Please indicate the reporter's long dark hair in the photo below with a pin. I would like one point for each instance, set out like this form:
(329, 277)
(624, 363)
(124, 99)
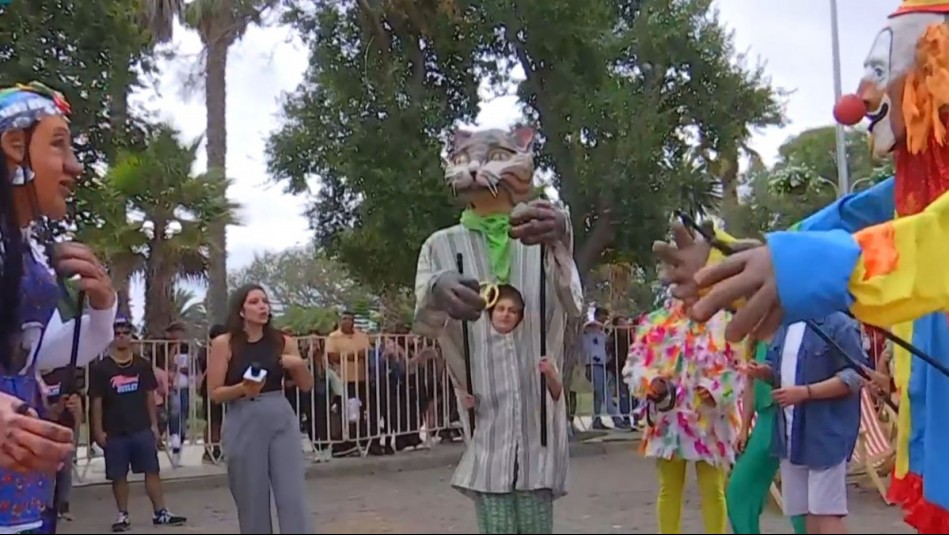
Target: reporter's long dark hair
(235, 323)
(12, 252)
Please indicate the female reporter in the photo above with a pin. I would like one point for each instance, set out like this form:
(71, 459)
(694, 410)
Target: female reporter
(261, 434)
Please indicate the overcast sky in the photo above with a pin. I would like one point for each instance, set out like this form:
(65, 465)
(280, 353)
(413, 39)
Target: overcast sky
(792, 39)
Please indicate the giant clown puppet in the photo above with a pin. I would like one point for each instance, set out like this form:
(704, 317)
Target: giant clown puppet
(882, 253)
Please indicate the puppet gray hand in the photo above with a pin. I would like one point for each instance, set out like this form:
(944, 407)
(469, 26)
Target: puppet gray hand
(538, 221)
(458, 296)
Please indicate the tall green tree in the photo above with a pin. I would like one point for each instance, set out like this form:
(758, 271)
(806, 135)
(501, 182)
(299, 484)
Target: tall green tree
(170, 212)
(634, 101)
(370, 120)
(816, 149)
(303, 277)
(220, 24)
(804, 180)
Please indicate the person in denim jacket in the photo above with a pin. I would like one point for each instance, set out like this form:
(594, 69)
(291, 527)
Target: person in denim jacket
(817, 428)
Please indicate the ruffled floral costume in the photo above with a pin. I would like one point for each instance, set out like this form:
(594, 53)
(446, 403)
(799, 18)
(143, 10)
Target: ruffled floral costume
(690, 357)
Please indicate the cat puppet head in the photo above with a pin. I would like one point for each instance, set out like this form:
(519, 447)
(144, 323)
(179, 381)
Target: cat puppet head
(490, 165)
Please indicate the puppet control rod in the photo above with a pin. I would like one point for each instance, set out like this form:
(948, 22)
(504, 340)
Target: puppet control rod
(466, 347)
(543, 348)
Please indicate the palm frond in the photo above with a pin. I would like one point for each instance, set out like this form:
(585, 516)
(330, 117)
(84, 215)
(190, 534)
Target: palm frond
(160, 17)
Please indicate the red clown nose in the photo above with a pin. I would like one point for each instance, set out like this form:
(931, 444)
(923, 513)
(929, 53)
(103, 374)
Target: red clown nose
(850, 110)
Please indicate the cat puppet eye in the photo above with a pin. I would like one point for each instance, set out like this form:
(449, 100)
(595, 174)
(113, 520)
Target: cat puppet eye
(499, 155)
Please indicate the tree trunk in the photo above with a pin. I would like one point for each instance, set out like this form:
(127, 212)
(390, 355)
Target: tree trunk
(159, 282)
(729, 174)
(390, 311)
(122, 283)
(216, 105)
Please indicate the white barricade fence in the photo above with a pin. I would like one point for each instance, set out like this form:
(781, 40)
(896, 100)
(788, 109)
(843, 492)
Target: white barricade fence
(395, 396)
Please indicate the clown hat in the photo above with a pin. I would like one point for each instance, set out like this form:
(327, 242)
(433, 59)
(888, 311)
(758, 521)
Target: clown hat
(922, 6)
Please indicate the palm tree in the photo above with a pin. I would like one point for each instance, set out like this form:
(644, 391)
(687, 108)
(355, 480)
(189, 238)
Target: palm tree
(220, 23)
(170, 212)
(117, 242)
(188, 309)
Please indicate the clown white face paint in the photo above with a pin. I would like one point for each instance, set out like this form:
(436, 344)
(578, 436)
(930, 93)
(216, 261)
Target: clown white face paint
(891, 57)
(873, 90)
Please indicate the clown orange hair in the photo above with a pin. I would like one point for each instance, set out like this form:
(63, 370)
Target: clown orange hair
(926, 90)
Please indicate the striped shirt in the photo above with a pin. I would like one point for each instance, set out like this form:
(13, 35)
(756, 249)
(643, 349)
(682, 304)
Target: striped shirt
(505, 453)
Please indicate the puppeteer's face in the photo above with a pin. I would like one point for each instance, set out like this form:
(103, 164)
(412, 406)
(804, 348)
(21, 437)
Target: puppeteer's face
(506, 315)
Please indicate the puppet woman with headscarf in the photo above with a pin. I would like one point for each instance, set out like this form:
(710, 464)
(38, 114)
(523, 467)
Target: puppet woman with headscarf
(39, 174)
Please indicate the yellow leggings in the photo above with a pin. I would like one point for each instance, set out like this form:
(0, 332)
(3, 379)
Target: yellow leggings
(671, 487)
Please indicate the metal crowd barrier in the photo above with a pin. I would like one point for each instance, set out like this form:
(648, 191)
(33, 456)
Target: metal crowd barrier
(394, 397)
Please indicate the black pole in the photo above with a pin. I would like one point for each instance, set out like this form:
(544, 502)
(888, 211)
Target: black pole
(543, 348)
(466, 346)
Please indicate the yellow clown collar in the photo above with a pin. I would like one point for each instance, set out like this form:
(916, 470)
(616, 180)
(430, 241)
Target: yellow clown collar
(921, 6)
(716, 256)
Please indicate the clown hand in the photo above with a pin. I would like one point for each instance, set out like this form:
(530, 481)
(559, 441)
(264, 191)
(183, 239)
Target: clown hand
(748, 274)
(681, 260)
(658, 388)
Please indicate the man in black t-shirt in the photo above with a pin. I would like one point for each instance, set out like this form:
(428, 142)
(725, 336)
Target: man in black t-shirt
(125, 425)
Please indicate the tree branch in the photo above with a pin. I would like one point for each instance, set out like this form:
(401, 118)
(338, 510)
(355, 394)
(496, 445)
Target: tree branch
(373, 25)
(598, 239)
(603, 232)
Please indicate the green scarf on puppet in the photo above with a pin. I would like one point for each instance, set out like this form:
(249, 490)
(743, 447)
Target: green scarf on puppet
(495, 229)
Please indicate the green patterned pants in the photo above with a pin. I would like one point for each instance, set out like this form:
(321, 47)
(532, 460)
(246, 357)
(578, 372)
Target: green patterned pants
(515, 512)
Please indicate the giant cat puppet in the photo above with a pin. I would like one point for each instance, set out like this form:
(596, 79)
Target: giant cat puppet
(505, 468)
(882, 253)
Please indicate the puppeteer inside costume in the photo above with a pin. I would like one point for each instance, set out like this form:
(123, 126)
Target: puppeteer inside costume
(688, 375)
(512, 478)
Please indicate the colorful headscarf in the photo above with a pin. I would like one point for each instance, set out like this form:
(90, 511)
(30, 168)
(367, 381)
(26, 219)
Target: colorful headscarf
(22, 106)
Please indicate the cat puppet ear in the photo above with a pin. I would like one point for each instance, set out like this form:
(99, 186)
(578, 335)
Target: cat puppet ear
(459, 138)
(523, 137)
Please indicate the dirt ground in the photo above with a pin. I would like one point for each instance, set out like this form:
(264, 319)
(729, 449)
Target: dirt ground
(612, 493)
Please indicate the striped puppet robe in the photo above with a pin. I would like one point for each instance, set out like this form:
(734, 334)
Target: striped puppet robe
(505, 453)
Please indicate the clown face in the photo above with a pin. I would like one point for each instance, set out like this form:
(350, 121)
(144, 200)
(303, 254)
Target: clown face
(891, 57)
(873, 91)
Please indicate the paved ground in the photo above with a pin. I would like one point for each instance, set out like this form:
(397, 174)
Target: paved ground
(612, 490)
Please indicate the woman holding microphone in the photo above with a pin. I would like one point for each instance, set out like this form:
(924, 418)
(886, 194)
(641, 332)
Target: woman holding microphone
(261, 434)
